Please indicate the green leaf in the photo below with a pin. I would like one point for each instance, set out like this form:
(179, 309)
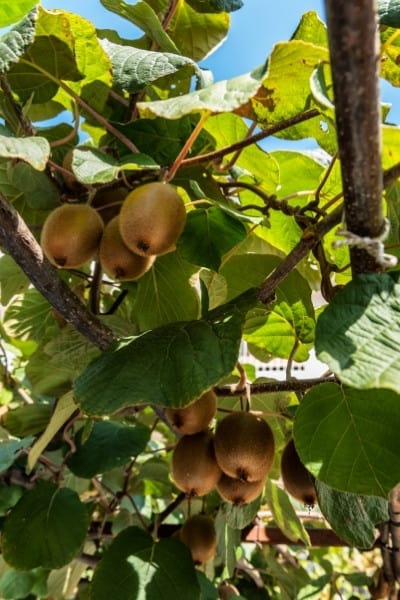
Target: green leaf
(33, 150)
(29, 316)
(389, 12)
(197, 34)
(64, 409)
(228, 540)
(348, 438)
(166, 293)
(207, 588)
(13, 280)
(144, 17)
(390, 44)
(11, 13)
(223, 96)
(358, 334)
(9, 496)
(238, 517)
(92, 166)
(184, 358)
(133, 68)
(215, 5)
(109, 444)
(18, 584)
(284, 514)
(34, 527)
(312, 29)
(135, 567)
(353, 517)
(14, 43)
(9, 450)
(287, 322)
(208, 235)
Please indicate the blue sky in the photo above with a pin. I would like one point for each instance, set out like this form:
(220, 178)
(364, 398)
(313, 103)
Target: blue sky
(255, 29)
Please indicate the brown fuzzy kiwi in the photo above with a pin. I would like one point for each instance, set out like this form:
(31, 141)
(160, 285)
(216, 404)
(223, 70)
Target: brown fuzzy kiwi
(194, 468)
(244, 446)
(297, 480)
(116, 259)
(195, 417)
(71, 235)
(152, 218)
(198, 533)
(108, 201)
(239, 492)
(227, 590)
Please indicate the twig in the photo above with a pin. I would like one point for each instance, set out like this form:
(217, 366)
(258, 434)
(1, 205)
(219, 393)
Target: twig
(216, 155)
(268, 387)
(166, 512)
(170, 174)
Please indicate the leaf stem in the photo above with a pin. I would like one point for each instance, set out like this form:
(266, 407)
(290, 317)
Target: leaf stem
(170, 174)
(93, 113)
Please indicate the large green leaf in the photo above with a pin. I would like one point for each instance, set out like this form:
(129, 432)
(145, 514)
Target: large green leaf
(284, 514)
(390, 69)
(12, 279)
(135, 567)
(208, 235)
(348, 438)
(168, 366)
(358, 334)
(285, 325)
(109, 444)
(133, 68)
(14, 43)
(19, 584)
(144, 17)
(223, 96)
(42, 518)
(353, 517)
(166, 293)
(197, 34)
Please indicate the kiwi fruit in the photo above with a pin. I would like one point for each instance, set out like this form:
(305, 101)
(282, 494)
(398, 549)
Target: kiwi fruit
(108, 200)
(116, 259)
(152, 218)
(194, 468)
(71, 235)
(239, 492)
(195, 417)
(244, 446)
(297, 480)
(226, 591)
(198, 534)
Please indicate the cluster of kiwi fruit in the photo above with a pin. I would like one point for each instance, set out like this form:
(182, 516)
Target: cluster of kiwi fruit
(235, 459)
(149, 223)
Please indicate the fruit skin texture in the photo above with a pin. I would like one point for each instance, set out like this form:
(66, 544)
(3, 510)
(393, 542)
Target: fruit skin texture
(198, 533)
(296, 479)
(71, 235)
(152, 218)
(116, 259)
(239, 492)
(195, 417)
(108, 201)
(244, 446)
(194, 468)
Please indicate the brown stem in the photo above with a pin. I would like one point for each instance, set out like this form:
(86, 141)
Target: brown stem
(18, 241)
(354, 49)
(169, 15)
(268, 387)
(188, 144)
(216, 155)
